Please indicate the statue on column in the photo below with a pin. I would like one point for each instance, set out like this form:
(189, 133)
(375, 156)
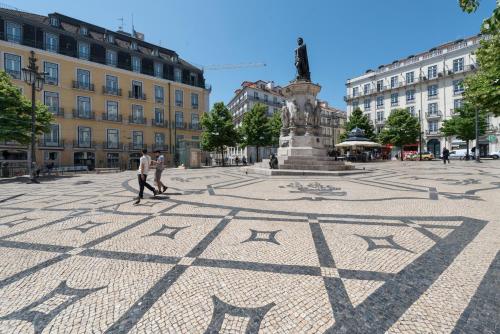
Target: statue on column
(301, 61)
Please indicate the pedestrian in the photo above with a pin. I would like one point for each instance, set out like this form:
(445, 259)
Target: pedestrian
(237, 160)
(142, 174)
(160, 166)
(244, 160)
(446, 155)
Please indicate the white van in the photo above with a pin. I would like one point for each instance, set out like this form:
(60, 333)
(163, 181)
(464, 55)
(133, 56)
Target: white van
(460, 154)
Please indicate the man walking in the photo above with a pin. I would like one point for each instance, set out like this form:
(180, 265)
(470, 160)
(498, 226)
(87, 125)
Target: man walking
(142, 174)
(446, 155)
(160, 166)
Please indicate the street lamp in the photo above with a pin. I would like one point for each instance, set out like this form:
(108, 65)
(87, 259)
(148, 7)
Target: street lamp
(420, 134)
(36, 80)
(477, 151)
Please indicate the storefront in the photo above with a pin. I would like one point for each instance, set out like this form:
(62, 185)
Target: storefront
(434, 147)
(84, 159)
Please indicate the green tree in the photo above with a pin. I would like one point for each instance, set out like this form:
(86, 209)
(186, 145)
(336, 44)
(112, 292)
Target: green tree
(275, 126)
(400, 129)
(255, 129)
(482, 90)
(359, 120)
(490, 25)
(218, 129)
(463, 125)
(15, 114)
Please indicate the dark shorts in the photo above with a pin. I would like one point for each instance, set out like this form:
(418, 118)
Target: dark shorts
(158, 175)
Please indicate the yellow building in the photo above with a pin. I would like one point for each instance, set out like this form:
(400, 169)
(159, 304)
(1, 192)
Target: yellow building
(112, 93)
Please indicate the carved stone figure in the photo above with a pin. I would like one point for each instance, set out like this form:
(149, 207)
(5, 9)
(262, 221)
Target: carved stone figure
(301, 61)
(317, 115)
(294, 114)
(309, 111)
(285, 117)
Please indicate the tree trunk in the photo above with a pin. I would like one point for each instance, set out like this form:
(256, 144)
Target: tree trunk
(467, 157)
(257, 149)
(401, 153)
(222, 156)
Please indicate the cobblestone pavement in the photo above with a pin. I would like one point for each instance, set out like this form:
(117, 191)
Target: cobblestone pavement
(408, 248)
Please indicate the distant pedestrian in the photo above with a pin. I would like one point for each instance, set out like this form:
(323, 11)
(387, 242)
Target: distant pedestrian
(244, 160)
(142, 174)
(160, 166)
(446, 155)
(237, 160)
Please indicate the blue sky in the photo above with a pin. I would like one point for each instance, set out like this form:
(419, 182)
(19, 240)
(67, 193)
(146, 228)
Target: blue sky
(344, 38)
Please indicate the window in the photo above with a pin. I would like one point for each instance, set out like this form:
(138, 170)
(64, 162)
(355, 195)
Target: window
(54, 21)
(111, 84)
(355, 104)
(12, 64)
(179, 118)
(83, 50)
(83, 106)
(275, 100)
(83, 78)
(112, 138)
(136, 89)
(458, 64)
(410, 95)
(256, 95)
(458, 103)
(51, 138)
(193, 79)
(52, 70)
(137, 114)
(195, 120)
(133, 45)
(177, 75)
(155, 52)
(136, 64)
(432, 108)
(194, 100)
(159, 139)
(367, 103)
(137, 139)
(110, 38)
(266, 98)
(432, 91)
(366, 88)
(433, 126)
(159, 94)
(14, 32)
(394, 99)
(158, 70)
(179, 96)
(380, 101)
(83, 31)
(410, 77)
(159, 115)
(411, 110)
(51, 42)
(51, 100)
(432, 71)
(380, 85)
(394, 81)
(458, 87)
(355, 91)
(111, 58)
(112, 110)
(84, 136)
(380, 116)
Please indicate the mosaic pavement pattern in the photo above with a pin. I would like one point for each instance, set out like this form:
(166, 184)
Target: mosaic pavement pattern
(408, 248)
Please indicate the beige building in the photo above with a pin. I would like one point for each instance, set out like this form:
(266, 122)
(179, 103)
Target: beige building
(112, 93)
(332, 124)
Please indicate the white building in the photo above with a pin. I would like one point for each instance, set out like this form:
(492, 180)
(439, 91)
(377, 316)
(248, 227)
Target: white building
(429, 85)
(332, 123)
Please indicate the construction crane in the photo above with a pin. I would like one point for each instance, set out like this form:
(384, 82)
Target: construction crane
(230, 66)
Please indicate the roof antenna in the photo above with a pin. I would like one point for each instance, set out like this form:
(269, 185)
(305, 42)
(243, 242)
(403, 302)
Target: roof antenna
(120, 26)
(133, 30)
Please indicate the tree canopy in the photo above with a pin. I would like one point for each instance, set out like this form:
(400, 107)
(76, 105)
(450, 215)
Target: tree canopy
(463, 124)
(256, 128)
(275, 126)
(490, 25)
(15, 114)
(400, 129)
(218, 129)
(358, 119)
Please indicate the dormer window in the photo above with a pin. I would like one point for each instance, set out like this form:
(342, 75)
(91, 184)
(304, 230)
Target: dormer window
(174, 59)
(84, 31)
(155, 52)
(110, 38)
(54, 21)
(133, 45)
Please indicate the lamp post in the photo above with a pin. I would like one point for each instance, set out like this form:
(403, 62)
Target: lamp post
(420, 134)
(477, 151)
(36, 80)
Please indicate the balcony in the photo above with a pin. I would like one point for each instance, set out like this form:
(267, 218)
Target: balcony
(112, 91)
(433, 133)
(49, 143)
(136, 146)
(466, 68)
(83, 114)
(112, 145)
(433, 115)
(194, 106)
(11, 143)
(160, 147)
(83, 86)
(112, 118)
(180, 125)
(136, 95)
(195, 126)
(380, 121)
(160, 124)
(137, 120)
(57, 111)
(490, 128)
(83, 144)
(432, 97)
(13, 73)
(458, 92)
(159, 100)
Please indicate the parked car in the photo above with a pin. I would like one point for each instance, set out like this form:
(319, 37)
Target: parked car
(416, 156)
(460, 154)
(495, 155)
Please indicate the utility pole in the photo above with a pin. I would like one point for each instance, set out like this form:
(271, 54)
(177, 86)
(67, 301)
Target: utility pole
(36, 80)
(420, 134)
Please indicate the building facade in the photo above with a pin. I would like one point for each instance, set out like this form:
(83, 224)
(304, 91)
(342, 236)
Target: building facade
(429, 85)
(332, 124)
(111, 93)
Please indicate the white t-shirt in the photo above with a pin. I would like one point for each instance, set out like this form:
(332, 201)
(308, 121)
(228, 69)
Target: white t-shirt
(144, 161)
(160, 163)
